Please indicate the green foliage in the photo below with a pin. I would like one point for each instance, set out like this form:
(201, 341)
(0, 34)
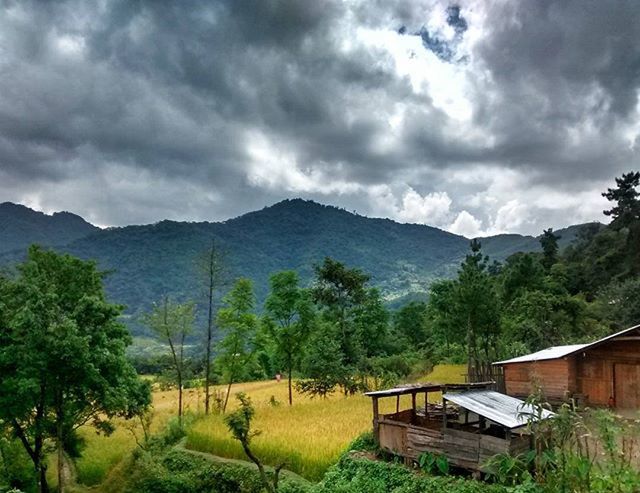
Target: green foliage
(288, 321)
(365, 442)
(353, 326)
(434, 463)
(356, 475)
(239, 424)
(580, 452)
(178, 471)
(549, 244)
(21, 227)
(239, 326)
(16, 468)
(468, 309)
(627, 207)
(619, 303)
(410, 322)
(62, 355)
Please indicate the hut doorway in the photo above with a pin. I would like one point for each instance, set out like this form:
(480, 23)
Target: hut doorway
(627, 385)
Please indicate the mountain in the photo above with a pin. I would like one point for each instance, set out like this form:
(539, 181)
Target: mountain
(151, 260)
(21, 226)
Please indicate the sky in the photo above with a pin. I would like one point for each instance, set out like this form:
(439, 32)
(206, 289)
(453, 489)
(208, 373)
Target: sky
(477, 117)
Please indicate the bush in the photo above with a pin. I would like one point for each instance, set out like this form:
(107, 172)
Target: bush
(356, 475)
(179, 471)
(16, 469)
(365, 442)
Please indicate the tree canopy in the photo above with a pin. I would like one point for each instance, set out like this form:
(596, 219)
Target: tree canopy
(62, 355)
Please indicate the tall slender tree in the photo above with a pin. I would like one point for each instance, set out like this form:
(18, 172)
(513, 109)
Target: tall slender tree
(240, 328)
(625, 195)
(288, 320)
(549, 244)
(173, 322)
(214, 269)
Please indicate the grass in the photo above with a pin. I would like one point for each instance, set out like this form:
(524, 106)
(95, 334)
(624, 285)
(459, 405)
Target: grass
(309, 436)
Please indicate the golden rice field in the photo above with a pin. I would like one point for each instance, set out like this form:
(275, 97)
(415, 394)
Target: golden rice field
(309, 436)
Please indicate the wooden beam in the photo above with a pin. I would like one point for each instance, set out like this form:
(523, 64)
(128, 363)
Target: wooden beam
(426, 404)
(444, 414)
(376, 426)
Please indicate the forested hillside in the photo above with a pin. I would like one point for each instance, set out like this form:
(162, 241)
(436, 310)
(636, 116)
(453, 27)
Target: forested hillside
(21, 226)
(149, 261)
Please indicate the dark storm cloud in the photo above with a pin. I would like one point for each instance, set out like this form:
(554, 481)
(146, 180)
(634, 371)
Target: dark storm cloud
(559, 68)
(135, 111)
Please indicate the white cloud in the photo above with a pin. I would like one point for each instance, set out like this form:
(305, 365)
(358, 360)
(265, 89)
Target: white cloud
(432, 208)
(466, 225)
(511, 217)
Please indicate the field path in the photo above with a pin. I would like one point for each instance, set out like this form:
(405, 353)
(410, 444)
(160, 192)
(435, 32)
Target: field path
(284, 473)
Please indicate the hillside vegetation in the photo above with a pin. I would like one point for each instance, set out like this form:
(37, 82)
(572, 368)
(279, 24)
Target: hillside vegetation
(147, 262)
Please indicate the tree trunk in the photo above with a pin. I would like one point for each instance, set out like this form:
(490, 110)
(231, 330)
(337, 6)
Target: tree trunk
(207, 371)
(44, 486)
(290, 392)
(226, 397)
(180, 398)
(60, 446)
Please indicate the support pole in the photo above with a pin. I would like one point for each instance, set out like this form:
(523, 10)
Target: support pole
(376, 426)
(444, 414)
(413, 403)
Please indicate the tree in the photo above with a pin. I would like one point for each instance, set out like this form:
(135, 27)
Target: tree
(240, 326)
(549, 243)
(289, 316)
(620, 303)
(441, 313)
(62, 356)
(239, 424)
(173, 322)
(338, 291)
(478, 306)
(323, 362)
(625, 195)
(372, 324)
(213, 266)
(521, 272)
(411, 321)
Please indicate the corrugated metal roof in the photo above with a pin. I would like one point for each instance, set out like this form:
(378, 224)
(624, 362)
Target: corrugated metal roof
(499, 408)
(549, 353)
(562, 351)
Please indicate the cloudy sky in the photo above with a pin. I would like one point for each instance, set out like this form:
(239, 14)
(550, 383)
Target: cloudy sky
(476, 117)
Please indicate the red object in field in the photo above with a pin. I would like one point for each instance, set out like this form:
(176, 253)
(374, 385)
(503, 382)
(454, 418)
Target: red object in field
(278, 377)
(612, 402)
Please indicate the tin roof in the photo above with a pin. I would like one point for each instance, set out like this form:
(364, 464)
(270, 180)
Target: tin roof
(556, 352)
(499, 408)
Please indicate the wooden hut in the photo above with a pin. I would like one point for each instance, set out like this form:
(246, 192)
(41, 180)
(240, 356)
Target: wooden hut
(472, 424)
(603, 373)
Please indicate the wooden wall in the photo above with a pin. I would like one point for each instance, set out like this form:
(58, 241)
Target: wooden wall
(605, 372)
(596, 373)
(557, 377)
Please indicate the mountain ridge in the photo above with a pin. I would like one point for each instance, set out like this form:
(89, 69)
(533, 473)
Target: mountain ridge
(148, 261)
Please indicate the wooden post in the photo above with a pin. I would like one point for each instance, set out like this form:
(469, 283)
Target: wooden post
(444, 414)
(426, 404)
(376, 426)
(398, 403)
(413, 403)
